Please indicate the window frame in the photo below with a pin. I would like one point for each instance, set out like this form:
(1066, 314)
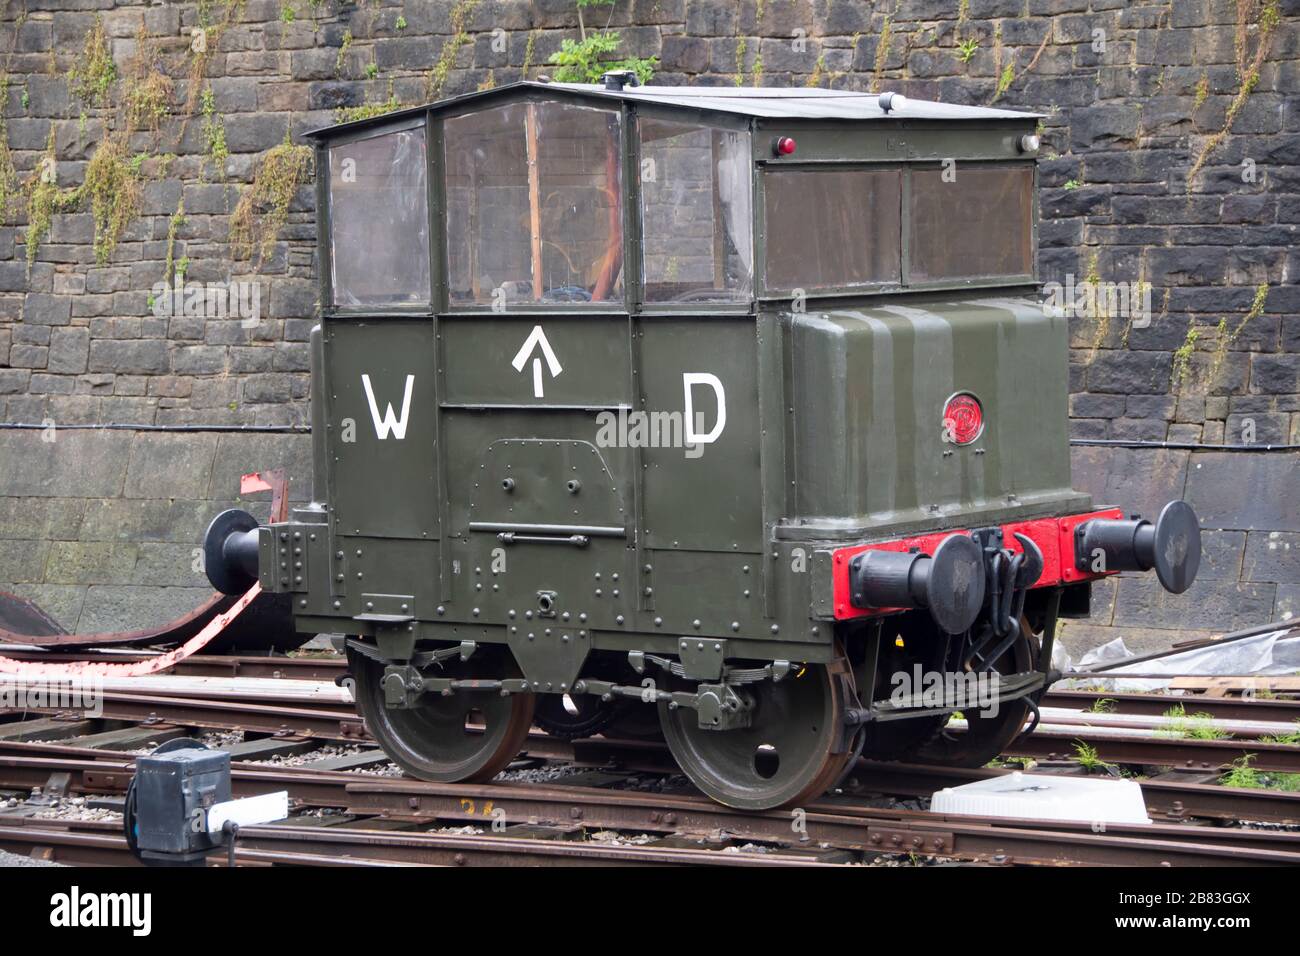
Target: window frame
(690, 117)
(621, 306)
(860, 288)
(972, 282)
(325, 225)
(906, 283)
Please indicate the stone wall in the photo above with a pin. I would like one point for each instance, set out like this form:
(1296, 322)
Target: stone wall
(1170, 164)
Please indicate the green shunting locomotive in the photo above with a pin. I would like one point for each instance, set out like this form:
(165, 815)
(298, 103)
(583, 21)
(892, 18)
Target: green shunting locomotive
(726, 416)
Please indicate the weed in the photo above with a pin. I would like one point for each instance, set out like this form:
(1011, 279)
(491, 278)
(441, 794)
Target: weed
(91, 79)
(263, 208)
(1088, 758)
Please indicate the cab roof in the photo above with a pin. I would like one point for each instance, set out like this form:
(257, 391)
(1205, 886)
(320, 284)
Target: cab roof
(792, 103)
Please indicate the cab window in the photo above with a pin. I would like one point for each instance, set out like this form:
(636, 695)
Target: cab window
(534, 205)
(379, 221)
(832, 228)
(974, 224)
(695, 213)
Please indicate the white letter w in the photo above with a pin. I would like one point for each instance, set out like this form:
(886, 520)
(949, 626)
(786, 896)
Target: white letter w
(390, 422)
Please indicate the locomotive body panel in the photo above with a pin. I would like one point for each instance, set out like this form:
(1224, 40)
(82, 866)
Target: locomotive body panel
(871, 384)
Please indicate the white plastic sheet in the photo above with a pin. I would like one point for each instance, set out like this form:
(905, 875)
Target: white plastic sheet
(1271, 654)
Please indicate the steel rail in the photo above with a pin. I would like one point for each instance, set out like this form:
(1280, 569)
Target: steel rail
(1156, 705)
(326, 721)
(1182, 752)
(353, 845)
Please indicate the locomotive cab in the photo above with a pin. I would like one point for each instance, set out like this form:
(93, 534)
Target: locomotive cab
(721, 415)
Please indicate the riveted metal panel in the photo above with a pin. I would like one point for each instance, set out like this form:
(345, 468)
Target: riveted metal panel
(708, 497)
(393, 443)
(574, 360)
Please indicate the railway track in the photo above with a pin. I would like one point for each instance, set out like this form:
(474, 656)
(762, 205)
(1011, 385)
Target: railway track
(355, 818)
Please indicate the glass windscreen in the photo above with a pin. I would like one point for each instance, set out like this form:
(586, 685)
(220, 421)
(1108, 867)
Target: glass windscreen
(977, 223)
(379, 221)
(832, 228)
(695, 213)
(534, 205)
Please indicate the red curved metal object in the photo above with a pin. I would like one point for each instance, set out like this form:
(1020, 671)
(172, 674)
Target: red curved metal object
(214, 626)
(22, 622)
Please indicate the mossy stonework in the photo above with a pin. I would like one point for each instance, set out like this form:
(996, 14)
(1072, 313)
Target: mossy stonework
(138, 137)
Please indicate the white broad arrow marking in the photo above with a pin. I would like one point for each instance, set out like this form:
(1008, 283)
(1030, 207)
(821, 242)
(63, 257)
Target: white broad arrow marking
(535, 338)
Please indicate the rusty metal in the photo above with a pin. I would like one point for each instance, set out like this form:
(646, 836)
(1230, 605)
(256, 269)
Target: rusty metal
(207, 665)
(20, 613)
(1155, 705)
(1160, 751)
(329, 722)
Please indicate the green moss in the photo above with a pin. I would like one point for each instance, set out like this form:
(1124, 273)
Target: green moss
(286, 12)
(263, 208)
(401, 22)
(1202, 90)
(91, 78)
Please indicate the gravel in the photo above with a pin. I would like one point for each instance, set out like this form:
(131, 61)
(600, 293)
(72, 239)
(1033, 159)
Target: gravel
(10, 859)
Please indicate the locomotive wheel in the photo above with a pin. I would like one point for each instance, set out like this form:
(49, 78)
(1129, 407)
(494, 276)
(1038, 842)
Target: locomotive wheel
(782, 759)
(593, 715)
(985, 737)
(634, 720)
(466, 736)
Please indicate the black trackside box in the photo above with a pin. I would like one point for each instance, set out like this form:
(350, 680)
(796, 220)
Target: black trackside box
(171, 790)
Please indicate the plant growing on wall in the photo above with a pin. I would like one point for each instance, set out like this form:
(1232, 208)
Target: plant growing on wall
(91, 78)
(9, 185)
(149, 89)
(263, 208)
(111, 187)
(1268, 15)
(592, 55)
